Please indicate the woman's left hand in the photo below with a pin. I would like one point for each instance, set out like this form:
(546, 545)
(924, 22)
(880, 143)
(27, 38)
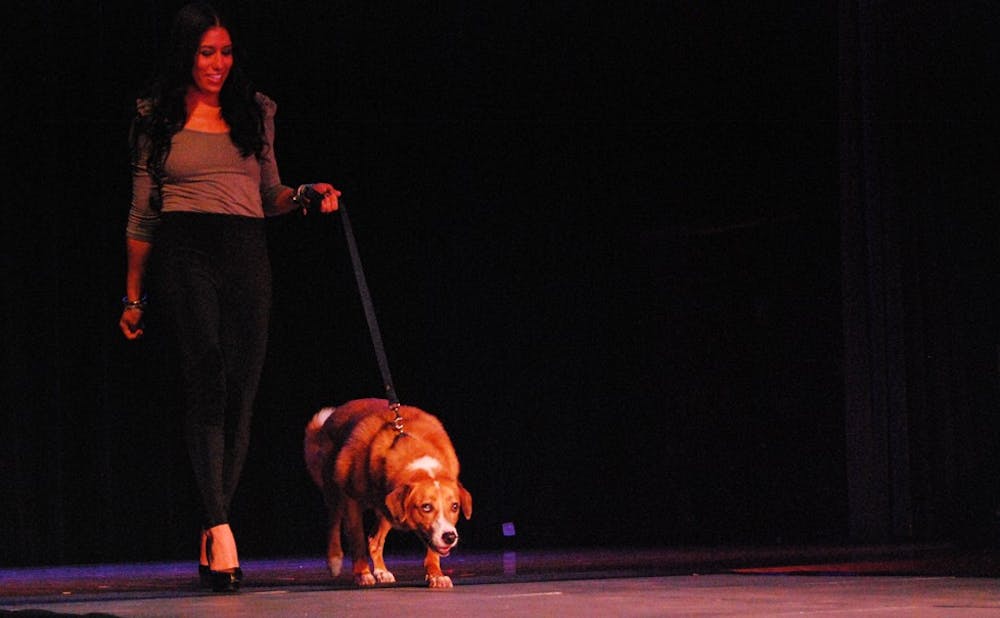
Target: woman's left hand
(330, 195)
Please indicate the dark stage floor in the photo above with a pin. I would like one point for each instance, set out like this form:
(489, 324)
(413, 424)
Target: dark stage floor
(833, 581)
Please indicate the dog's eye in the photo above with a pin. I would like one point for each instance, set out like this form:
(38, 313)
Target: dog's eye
(427, 507)
(454, 507)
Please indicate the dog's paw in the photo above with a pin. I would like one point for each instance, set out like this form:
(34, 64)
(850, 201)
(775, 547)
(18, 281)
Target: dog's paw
(384, 577)
(335, 564)
(364, 579)
(439, 581)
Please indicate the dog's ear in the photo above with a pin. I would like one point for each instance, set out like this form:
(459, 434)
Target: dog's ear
(466, 500)
(396, 502)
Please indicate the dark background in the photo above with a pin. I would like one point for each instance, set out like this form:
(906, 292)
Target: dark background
(669, 272)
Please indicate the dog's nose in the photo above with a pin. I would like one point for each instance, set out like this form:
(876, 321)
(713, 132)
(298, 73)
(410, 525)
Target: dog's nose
(449, 538)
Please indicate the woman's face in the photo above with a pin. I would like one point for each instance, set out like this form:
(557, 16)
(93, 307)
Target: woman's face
(212, 61)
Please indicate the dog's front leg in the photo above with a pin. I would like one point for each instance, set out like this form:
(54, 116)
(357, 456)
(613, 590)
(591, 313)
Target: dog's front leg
(356, 539)
(376, 546)
(432, 566)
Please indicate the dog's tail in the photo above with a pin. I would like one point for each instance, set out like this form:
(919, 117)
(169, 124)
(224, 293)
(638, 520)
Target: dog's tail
(317, 446)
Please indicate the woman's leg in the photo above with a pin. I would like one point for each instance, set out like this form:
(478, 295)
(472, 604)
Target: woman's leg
(217, 288)
(246, 307)
(192, 301)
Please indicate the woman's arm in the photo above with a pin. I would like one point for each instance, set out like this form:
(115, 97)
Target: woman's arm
(278, 201)
(137, 255)
(278, 198)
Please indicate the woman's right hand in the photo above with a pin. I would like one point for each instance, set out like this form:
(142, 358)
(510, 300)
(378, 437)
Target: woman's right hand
(131, 322)
(134, 302)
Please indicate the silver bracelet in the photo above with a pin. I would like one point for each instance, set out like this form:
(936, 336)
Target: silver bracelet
(134, 304)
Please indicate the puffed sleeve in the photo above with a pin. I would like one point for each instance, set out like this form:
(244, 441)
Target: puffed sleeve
(144, 214)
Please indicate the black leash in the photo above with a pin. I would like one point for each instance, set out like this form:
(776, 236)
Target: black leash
(366, 301)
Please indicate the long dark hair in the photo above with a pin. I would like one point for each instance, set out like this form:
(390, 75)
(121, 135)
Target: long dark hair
(163, 111)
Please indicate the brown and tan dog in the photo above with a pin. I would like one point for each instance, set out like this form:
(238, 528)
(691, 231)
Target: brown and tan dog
(360, 461)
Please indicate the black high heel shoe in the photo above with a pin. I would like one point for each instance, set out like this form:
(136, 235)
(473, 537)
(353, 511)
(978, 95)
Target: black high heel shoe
(219, 581)
(225, 581)
(204, 571)
(204, 576)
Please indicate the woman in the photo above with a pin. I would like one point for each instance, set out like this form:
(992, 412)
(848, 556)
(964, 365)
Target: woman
(204, 177)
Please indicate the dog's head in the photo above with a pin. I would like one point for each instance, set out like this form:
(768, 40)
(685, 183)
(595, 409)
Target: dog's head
(430, 508)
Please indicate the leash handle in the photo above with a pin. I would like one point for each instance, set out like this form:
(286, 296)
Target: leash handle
(366, 302)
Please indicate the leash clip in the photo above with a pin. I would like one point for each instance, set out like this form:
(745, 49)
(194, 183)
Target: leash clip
(397, 423)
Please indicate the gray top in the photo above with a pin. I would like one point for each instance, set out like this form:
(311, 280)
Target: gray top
(205, 173)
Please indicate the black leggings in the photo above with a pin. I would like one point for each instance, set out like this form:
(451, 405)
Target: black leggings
(216, 283)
